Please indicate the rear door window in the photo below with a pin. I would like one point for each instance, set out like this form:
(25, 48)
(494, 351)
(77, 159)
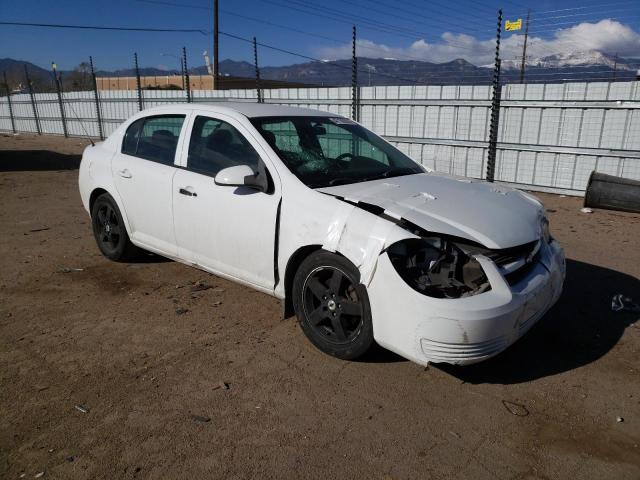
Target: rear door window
(154, 138)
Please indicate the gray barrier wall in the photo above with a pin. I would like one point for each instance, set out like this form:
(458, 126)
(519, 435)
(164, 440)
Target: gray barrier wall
(551, 136)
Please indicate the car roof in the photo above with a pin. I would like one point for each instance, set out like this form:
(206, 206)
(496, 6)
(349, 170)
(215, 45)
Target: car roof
(253, 109)
(248, 109)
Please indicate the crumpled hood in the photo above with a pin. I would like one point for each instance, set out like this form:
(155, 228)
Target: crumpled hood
(492, 215)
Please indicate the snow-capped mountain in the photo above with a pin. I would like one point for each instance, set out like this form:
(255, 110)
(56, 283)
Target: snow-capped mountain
(574, 59)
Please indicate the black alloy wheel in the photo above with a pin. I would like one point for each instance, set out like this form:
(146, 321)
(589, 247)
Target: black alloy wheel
(109, 230)
(332, 305)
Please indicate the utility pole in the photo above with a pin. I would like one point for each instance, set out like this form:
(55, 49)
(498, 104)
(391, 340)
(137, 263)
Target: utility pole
(216, 71)
(615, 67)
(524, 47)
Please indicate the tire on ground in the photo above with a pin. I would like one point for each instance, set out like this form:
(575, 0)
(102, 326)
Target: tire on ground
(114, 243)
(305, 298)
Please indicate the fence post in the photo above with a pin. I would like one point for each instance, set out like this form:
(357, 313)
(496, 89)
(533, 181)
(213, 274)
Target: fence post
(354, 78)
(187, 82)
(33, 101)
(138, 86)
(57, 81)
(255, 62)
(97, 99)
(6, 87)
(495, 108)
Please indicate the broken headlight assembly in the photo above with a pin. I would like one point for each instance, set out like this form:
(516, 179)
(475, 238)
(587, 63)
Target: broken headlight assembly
(438, 267)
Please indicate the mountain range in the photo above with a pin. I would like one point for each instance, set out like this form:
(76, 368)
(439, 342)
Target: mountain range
(590, 65)
(589, 58)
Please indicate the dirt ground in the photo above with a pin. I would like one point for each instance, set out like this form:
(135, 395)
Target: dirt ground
(100, 377)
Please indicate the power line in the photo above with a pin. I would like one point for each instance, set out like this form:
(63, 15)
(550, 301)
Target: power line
(95, 27)
(353, 19)
(430, 74)
(589, 14)
(395, 8)
(446, 10)
(371, 20)
(412, 19)
(339, 41)
(602, 5)
(245, 17)
(289, 52)
(334, 18)
(555, 29)
(544, 24)
(369, 24)
(228, 12)
(173, 4)
(315, 35)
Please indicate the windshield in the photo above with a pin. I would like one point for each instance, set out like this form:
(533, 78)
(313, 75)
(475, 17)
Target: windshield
(325, 151)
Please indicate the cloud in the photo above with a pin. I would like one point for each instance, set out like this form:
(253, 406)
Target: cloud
(609, 36)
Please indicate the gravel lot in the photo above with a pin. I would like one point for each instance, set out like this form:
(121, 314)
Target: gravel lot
(100, 377)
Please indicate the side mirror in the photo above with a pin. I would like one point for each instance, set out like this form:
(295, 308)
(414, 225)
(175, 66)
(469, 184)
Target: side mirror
(239, 176)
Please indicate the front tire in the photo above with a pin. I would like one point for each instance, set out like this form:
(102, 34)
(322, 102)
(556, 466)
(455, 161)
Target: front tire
(332, 305)
(109, 230)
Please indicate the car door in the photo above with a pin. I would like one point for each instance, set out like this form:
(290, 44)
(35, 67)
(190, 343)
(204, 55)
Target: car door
(143, 174)
(228, 230)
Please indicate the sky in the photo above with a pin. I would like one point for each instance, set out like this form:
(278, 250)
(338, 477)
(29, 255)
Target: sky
(430, 30)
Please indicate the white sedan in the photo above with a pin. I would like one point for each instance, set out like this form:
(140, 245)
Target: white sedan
(357, 239)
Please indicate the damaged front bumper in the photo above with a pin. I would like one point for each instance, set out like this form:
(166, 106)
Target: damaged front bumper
(464, 330)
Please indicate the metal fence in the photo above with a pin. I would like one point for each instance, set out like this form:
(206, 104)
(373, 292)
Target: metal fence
(551, 136)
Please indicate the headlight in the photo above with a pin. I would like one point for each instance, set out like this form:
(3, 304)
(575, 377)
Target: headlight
(544, 230)
(437, 267)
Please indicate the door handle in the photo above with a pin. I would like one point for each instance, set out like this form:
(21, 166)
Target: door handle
(188, 193)
(124, 173)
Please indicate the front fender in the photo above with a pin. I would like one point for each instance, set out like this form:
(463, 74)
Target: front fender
(337, 226)
(362, 236)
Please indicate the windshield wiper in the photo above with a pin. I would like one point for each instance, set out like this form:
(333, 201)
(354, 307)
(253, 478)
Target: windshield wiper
(391, 173)
(345, 180)
(332, 183)
(342, 180)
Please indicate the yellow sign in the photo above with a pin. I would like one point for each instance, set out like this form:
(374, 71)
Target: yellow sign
(510, 26)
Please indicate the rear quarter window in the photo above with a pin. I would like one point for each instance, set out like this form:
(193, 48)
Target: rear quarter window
(130, 144)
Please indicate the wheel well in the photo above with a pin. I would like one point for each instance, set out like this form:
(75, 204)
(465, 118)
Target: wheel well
(95, 194)
(292, 267)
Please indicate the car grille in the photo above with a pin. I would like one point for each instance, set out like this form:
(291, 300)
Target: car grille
(528, 255)
(510, 255)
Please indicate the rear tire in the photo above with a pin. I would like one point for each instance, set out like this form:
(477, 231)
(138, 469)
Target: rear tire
(332, 305)
(109, 230)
